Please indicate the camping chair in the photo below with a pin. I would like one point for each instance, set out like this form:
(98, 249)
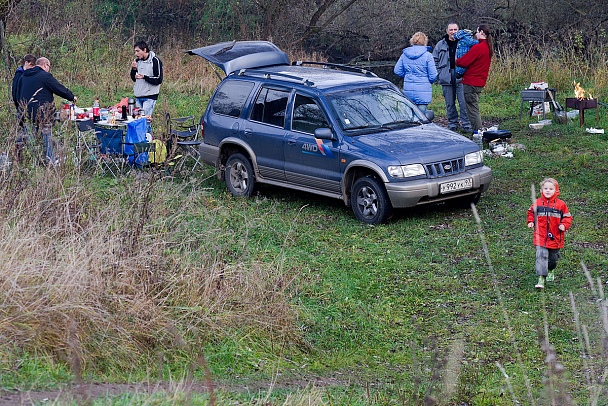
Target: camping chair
(136, 147)
(111, 149)
(87, 145)
(184, 132)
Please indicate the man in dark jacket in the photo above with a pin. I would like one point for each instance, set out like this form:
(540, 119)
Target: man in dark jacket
(445, 57)
(36, 88)
(29, 61)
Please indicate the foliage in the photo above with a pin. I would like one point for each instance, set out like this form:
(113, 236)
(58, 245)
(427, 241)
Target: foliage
(341, 29)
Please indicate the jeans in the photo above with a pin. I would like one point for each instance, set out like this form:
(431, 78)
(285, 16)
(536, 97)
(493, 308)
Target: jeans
(148, 106)
(450, 106)
(47, 142)
(46, 131)
(422, 107)
(471, 97)
(546, 260)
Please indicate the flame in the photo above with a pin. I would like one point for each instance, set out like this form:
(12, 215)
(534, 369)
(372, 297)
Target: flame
(579, 92)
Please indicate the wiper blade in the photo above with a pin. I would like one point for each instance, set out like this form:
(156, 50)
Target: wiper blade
(399, 123)
(359, 127)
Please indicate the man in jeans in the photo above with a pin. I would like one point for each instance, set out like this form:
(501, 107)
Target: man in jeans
(35, 90)
(147, 73)
(445, 56)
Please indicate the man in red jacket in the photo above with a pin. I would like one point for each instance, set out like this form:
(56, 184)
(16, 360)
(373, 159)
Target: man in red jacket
(550, 218)
(477, 62)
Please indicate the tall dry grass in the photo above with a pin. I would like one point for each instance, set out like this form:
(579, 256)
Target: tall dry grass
(514, 68)
(108, 280)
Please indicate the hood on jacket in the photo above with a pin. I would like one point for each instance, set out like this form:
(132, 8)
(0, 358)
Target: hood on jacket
(556, 188)
(19, 70)
(33, 71)
(415, 51)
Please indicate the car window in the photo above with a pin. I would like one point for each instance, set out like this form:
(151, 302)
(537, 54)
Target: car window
(373, 107)
(230, 97)
(270, 107)
(307, 115)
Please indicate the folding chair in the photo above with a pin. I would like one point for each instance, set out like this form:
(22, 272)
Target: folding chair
(87, 146)
(184, 131)
(111, 149)
(136, 147)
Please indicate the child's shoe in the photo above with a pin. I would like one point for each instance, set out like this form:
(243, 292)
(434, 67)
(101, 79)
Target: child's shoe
(550, 276)
(541, 283)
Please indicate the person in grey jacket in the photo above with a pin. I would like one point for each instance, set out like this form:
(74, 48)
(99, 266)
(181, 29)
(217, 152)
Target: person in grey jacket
(417, 68)
(445, 56)
(147, 73)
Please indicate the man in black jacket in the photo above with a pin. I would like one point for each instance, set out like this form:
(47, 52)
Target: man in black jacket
(29, 61)
(36, 88)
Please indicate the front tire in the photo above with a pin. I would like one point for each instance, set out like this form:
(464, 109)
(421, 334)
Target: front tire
(370, 202)
(239, 176)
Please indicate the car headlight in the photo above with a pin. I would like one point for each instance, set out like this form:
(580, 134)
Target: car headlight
(406, 171)
(473, 158)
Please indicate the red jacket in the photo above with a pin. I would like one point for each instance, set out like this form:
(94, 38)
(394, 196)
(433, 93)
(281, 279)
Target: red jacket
(477, 61)
(550, 213)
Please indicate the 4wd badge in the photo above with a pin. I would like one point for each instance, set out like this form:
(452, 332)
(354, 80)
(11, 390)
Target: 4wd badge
(318, 148)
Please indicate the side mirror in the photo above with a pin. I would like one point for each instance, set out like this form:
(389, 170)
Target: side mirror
(324, 134)
(430, 115)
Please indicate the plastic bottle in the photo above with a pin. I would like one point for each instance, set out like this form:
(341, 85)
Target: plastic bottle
(96, 116)
(72, 112)
(477, 137)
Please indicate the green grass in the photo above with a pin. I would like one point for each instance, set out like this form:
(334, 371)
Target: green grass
(290, 287)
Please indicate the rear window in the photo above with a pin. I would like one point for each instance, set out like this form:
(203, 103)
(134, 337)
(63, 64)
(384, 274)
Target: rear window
(230, 97)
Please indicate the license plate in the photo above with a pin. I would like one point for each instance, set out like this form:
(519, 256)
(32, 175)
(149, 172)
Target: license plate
(456, 185)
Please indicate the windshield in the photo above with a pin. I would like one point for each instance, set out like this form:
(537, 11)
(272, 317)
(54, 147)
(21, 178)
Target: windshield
(381, 107)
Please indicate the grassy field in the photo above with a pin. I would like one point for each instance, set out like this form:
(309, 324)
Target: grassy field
(285, 298)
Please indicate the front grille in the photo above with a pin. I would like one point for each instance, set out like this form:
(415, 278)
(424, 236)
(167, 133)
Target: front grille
(445, 168)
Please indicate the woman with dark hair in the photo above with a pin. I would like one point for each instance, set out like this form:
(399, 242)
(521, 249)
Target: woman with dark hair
(477, 62)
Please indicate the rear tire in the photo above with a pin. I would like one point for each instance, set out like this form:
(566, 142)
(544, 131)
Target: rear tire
(369, 201)
(239, 176)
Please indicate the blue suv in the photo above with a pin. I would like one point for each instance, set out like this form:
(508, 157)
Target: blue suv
(332, 130)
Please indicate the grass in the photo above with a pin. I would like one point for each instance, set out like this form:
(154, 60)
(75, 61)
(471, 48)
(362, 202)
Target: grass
(148, 279)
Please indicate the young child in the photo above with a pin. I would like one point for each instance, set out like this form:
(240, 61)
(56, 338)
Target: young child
(465, 42)
(550, 218)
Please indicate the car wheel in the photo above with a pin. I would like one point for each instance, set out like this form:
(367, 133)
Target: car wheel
(239, 176)
(370, 202)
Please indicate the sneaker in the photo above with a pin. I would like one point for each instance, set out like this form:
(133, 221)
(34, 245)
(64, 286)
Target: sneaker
(541, 283)
(550, 276)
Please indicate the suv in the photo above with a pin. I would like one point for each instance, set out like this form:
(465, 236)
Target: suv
(332, 130)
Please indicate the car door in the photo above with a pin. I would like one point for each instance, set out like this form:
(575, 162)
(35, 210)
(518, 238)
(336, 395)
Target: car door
(265, 130)
(309, 161)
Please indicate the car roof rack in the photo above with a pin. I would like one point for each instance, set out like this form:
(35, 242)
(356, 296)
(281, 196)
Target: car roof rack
(337, 66)
(268, 75)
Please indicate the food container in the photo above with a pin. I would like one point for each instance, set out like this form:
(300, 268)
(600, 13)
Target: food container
(536, 126)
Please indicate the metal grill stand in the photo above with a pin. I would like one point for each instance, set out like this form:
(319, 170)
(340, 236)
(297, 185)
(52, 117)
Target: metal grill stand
(534, 96)
(581, 105)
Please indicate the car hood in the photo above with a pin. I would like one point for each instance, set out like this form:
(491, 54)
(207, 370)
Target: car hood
(236, 55)
(422, 144)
